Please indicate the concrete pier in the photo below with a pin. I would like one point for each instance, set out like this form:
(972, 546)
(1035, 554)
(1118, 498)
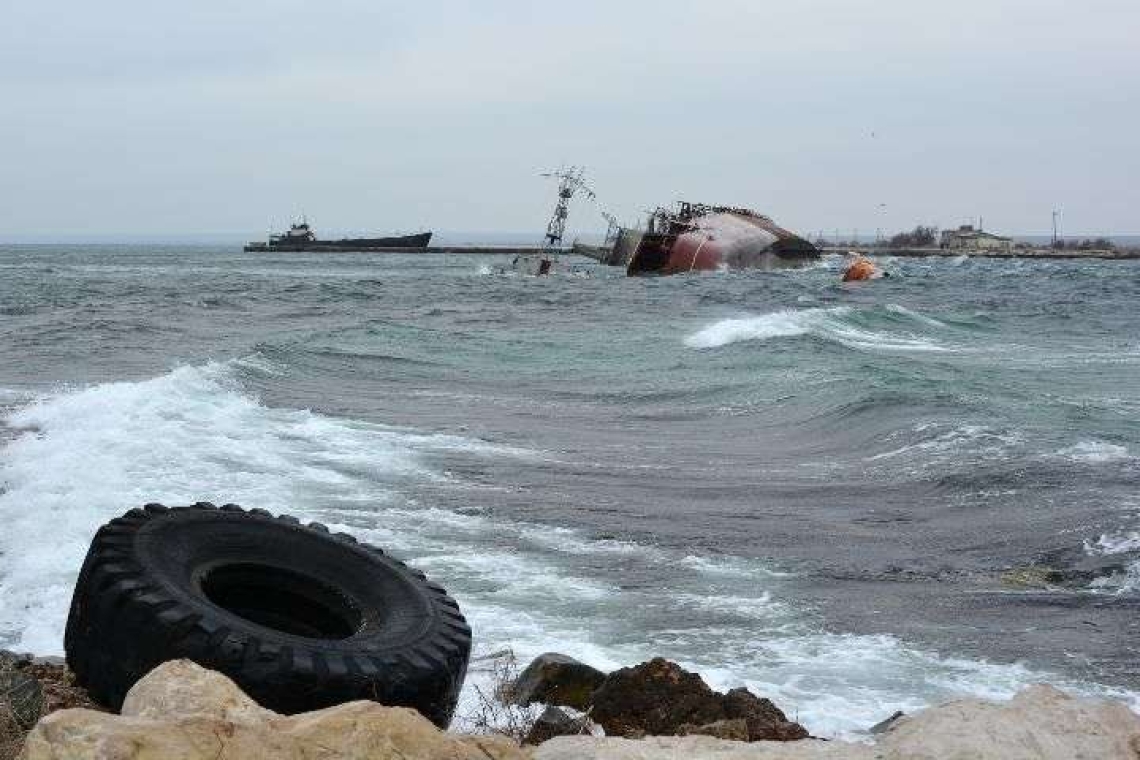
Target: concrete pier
(1017, 253)
(461, 249)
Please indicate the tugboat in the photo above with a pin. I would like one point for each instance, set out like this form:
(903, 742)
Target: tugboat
(300, 237)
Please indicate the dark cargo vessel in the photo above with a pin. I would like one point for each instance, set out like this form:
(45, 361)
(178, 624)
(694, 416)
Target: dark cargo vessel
(301, 237)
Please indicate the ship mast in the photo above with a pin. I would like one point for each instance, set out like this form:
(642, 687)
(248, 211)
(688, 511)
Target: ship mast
(570, 181)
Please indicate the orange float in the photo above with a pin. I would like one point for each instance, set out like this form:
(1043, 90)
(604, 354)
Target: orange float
(860, 269)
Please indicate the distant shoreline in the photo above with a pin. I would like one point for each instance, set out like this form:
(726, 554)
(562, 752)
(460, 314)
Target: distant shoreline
(1024, 253)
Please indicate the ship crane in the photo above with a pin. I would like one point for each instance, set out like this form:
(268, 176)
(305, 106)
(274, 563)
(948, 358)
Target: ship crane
(570, 182)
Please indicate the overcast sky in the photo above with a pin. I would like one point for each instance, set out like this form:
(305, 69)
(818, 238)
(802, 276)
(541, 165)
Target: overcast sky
(222, 115)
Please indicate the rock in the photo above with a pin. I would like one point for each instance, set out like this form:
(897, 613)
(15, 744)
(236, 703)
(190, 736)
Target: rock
(58, 685)
(697, 748)
(180, 711)
(555, 722)
(9, 660)
(21, 697)
(655, 698)
(1040, 723)
(659, 698)
(556, 679)
(732, 729)
(885, 725)
(765, 721)
(1032, 576)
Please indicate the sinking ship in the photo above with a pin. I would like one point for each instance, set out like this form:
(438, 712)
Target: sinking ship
(300, 237)
(695, 237)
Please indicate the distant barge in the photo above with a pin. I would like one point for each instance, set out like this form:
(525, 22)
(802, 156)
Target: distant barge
(694, 237)
(301, 237)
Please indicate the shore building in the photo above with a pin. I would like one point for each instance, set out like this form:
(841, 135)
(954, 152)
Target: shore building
(966, 238)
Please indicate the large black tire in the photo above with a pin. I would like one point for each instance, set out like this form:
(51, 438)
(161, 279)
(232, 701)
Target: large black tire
(298, 617)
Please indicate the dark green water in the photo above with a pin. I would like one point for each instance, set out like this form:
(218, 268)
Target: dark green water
(820, 491)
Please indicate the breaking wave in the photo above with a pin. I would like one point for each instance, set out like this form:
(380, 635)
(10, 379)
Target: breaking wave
(938, 445)
(841, 324)
(83, 456)
(1126, 543)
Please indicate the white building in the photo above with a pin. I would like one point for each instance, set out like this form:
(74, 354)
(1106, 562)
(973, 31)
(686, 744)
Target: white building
(966, 238)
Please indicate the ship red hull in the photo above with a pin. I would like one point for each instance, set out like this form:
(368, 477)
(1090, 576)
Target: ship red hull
(722, 239)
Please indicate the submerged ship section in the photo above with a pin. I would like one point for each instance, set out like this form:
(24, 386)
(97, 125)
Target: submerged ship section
(695, 237)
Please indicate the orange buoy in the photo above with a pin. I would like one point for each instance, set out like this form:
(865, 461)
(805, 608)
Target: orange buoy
(860, 269)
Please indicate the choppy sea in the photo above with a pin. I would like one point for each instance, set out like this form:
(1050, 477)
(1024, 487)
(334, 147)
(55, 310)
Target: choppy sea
(852, 499)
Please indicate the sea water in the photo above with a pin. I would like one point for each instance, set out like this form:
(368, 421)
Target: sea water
(817, 491)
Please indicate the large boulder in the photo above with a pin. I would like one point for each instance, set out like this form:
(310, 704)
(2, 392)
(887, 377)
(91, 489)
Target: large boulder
(555, 679)
(1040, 723)
(655, 698)
(660, 698)
(183, 712)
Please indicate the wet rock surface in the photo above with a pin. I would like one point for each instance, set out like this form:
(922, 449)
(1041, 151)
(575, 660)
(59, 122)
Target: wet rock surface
(764, 720)
(556, 679)
(553, 722)
(660, 698)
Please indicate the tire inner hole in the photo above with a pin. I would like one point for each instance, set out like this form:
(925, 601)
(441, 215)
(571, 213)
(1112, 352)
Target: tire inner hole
(283, 600)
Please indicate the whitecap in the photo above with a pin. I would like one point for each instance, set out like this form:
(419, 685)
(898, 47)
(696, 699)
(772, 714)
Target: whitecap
(1121, 543)
(916, 316)
(831, 324)
(778, 324)
(952, 443)
(1127, 542)
(1095, 452)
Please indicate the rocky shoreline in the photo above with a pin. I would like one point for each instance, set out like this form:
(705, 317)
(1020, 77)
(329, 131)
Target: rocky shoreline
(181, 711)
